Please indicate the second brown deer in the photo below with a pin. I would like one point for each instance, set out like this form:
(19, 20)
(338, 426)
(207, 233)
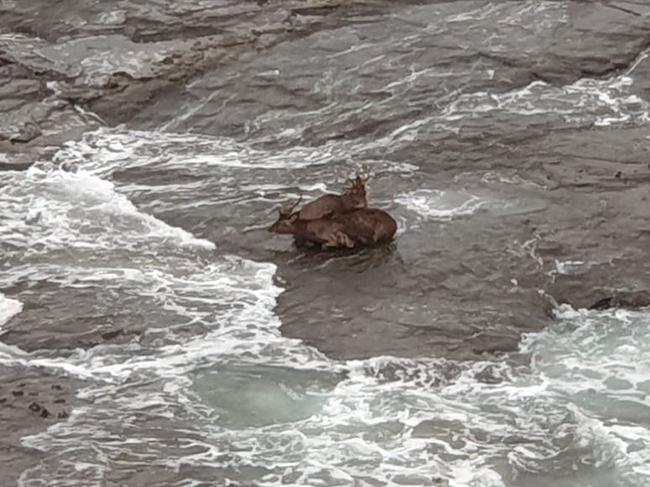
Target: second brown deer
(353, 198)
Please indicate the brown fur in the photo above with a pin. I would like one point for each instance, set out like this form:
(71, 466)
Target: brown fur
(363, 227)
(353, 198)
(324, 232)
(367, 226)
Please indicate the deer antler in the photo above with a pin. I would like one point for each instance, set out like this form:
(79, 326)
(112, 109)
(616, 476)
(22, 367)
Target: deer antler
(286, 211)
(358, 183)
(362, 179)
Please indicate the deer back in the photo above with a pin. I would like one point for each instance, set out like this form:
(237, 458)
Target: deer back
(368, 225)
(322, 207)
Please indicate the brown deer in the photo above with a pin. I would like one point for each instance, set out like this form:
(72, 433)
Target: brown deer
(353, 198)
(367, 226)
(362, 227)
(322, 231)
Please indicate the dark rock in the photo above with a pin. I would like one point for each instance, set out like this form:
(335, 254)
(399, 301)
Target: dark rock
(29, 131)
(18, 411)
(603, 303)
(19, 166)
(488, 375)
(121, 314)
(631, 300)
(109, 335)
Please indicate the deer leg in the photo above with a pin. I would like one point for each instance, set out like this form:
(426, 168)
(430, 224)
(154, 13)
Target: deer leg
(336, 240)
(343, 240)
(330, 244)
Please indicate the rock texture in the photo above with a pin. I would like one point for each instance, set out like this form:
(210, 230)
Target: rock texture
(538, 110)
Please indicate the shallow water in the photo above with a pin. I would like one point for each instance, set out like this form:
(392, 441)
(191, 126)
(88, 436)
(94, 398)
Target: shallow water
(135, 262)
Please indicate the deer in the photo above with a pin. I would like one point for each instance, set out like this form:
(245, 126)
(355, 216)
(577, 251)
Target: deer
(321, 231)
(361, 227)
(367, 226)
(353, 198)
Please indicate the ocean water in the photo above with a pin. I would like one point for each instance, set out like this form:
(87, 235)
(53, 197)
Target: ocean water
(135, 262)
(209, 389)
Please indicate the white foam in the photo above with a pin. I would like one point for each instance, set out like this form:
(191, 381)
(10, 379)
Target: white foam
(364, 428)
(43, 210)
(569, 266)
(233, 299)
(602, 102)
(586, 102)
(440, 205)
(105, 150)
(599, 361)
(8, 309)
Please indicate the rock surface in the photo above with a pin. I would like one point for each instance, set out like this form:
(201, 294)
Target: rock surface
(30, 401)
(583, 225)
(536, 116)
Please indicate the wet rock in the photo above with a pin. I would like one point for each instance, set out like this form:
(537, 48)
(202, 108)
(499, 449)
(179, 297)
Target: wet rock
(589, 201)
(603, 303)
(485, 343)
(597, 24)
(87, 57)
(18, 412)
(29, 131)
(37, 408)
(110, 335)
(482, 104)
(441, 430)
(489, 375)
(18, 166)
(621, 299)
(120, 314)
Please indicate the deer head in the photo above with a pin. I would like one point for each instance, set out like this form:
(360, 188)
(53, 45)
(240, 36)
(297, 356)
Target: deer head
(286, 219)
(355, 192)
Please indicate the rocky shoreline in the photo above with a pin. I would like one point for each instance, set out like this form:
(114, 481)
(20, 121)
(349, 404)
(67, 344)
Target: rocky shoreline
(63, 73)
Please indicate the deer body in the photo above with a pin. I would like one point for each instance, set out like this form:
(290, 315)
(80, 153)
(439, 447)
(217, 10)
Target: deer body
(337, 221)
(331, 204)
(353, 198)
(358, 228)
(367, 226)
(324, 232)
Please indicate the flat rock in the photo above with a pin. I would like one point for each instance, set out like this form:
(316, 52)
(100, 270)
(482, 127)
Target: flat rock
(31, 400)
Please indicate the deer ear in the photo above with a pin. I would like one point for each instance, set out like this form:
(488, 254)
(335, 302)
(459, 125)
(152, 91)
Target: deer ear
(293, 217)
